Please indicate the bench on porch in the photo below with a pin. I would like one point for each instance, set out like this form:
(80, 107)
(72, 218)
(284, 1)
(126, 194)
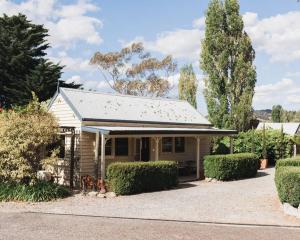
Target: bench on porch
(187, 167)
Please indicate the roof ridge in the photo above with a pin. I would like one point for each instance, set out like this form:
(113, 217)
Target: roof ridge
(121, 95)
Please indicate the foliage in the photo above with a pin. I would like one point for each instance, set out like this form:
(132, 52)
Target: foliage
(133, 71)
(187, 86)
(23, 65)
(227, 61)
(24, 135)
(294, 161)
(287, 181)
(277, 113)
(278, 145)
(231, 166)
(137, 177)
(37, 192)
(291, 116)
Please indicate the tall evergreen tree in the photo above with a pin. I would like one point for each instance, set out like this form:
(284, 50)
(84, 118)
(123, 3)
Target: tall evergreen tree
(187, 86)
(227, 61)
(23, 66)
(277, 113)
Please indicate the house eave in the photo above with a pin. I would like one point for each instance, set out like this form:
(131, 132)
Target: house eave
(144, 122)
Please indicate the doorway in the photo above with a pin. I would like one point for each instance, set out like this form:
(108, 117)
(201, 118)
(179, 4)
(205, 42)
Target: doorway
(145, 149)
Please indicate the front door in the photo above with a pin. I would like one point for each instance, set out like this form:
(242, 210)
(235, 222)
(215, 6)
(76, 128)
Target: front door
(145, 149)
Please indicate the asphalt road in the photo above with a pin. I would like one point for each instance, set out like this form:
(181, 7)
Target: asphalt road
(52, 226)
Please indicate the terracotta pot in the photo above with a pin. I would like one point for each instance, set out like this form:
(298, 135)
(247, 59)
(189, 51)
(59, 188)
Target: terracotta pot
(263, 163)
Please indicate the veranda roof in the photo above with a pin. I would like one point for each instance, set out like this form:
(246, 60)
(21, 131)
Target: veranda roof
(155, 131)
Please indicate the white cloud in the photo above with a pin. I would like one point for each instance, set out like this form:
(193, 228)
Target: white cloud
(181, 43)
(285, 92)
(199, 22)
(73, 64)
(278, 36)
(293, 74)
(67, 24)
(76, 79)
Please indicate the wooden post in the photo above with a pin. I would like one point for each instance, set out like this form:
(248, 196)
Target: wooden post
(231, 145)
(103, 141)
(96, 163)
(295, 150)
(156, 139)
(72, 161)
(198, 156)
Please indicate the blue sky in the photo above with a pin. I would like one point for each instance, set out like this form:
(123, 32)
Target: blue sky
(80, 28)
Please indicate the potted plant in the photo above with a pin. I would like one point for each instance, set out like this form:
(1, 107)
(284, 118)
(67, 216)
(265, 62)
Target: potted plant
(264, 160)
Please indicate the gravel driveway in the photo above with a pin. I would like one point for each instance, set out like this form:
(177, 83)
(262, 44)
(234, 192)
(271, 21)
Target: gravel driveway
(249, 201)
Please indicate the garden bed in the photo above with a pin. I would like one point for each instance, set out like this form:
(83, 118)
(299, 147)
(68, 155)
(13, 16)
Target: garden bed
(38, 192)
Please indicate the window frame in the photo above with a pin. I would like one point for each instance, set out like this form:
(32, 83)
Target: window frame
(112, 148)
(162, 145)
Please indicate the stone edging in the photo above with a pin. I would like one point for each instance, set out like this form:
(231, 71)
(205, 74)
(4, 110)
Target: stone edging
(290, 210)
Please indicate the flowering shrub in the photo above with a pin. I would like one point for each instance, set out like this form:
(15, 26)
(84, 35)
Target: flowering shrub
(25, 133)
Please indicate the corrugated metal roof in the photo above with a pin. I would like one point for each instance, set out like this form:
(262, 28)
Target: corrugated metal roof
(102, 106)
(288, 128)
(151, 130)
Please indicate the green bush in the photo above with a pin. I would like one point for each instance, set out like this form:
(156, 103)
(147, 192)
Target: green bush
(287, 181)
(137, 177)
(295, 161)
(277, 146)
(231, 166)
(38, 192)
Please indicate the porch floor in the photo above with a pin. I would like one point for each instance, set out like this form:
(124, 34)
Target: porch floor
(188, 178)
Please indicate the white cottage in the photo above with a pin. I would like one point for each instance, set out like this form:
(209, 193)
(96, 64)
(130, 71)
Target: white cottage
(112, 127)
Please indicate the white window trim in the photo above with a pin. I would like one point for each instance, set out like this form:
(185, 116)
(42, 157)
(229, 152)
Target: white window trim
(173, 146)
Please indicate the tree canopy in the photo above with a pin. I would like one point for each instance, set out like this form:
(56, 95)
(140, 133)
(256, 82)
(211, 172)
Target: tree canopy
(23, 64)
(133, 71)
(187, 86)
(227, 61)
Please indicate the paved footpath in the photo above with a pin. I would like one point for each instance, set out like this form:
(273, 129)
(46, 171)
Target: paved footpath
(52, 226)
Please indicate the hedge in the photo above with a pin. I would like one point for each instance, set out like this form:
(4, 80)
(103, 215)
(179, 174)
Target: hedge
(287, 181)
(231, 166)
(137, 177)
(38, 192)
(295, 161)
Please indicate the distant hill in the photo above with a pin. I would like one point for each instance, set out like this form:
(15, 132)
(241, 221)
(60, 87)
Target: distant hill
(263, 115)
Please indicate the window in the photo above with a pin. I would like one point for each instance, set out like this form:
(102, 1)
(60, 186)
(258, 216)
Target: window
(121, 146)
(108, 147)
(179, 144)
(167, 144)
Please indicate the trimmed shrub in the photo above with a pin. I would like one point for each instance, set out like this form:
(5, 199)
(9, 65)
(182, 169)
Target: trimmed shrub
(231, 166)
(38, 192)
(287, 181)
(288, 162)
(136, 177)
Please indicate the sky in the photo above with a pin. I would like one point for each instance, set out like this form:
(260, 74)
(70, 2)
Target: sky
(79, 28)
